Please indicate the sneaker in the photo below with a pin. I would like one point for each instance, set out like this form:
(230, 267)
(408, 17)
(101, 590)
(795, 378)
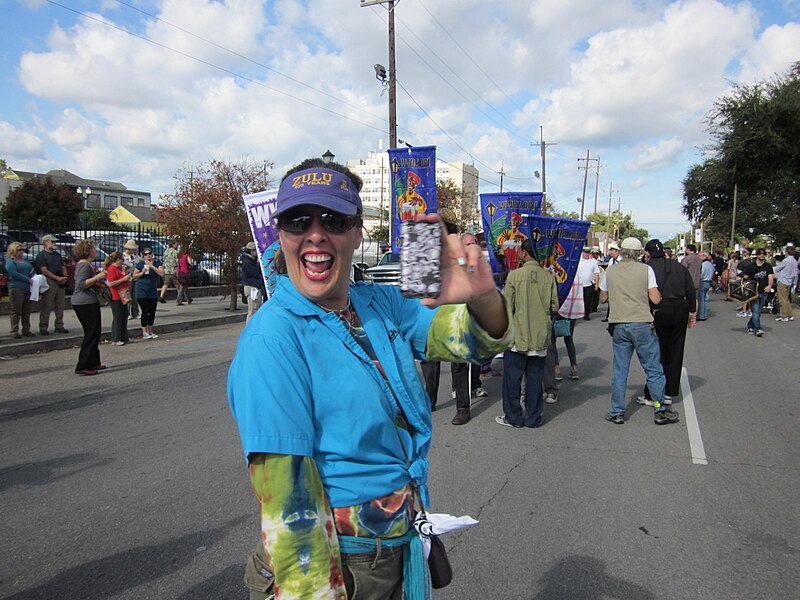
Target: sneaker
(749, 313)
(789, 319)
(760, 333)
(153, 336)
(117, 343)
(146, 336)
(780, 319)
(616, 419)
(45, 332)
(558, 373)
(664, 417)
(62, 330)
(644, 401)
(742, 313)
(550, 399)
(481, 393)
(29, 334)
(573, 374)
(501, 420)
(750, 331)
(462, 417)
(162, 300)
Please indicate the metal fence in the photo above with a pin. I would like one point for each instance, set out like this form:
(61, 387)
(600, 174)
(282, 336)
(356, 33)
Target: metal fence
(208, 268)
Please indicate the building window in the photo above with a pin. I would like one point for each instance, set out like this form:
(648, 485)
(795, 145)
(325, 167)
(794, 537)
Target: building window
(110, 201)
(93, 201)
(127, 201)
(140, 202)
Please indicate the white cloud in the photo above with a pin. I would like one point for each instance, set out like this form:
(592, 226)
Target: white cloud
(633, 83)
(18, 143)
(651, 157)
(776, 49)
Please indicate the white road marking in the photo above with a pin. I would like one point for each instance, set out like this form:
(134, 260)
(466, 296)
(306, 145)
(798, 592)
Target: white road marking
(692, 425)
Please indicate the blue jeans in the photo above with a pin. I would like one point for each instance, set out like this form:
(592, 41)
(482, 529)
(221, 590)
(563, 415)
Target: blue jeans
(642, 338)
(702, 300)
(755, 307)
(515, 365)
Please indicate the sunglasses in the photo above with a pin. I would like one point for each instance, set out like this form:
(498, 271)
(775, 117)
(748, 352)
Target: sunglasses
(148, 254)
(332, 222)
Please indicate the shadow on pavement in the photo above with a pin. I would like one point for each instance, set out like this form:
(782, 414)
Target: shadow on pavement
(112, 575)
(585, 578)
(46, 471)
(225, 585)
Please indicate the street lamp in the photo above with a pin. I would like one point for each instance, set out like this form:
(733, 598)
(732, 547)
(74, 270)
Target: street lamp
(85, 193)
(328, 156)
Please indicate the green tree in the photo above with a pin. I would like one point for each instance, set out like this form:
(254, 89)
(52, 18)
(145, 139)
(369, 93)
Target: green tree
(454, 207)
(98, 218)
(206, 213)
(380, 233)
(42, 205)
(755, 130)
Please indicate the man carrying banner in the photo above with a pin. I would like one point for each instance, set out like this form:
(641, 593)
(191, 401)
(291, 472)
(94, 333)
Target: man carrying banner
(532, 298)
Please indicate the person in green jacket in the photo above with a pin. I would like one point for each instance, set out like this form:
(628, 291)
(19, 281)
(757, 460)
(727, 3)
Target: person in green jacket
(532, 298)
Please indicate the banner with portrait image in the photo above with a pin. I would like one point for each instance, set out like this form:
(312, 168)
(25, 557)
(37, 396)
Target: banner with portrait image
(413, 173)
(556, 242)
(259, 208)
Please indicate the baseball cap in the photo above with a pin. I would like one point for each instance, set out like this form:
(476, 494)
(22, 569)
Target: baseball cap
(49, 238)
(613, 247)
(250, 246)
(631, 243)
(320, 187)
(655, 248)
(587, 248)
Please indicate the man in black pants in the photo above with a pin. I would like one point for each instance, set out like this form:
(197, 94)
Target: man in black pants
(678, 309)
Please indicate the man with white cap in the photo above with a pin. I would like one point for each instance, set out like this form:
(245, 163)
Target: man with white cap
(588, 276)
(631, 287)
(50, 263)
(130, 256)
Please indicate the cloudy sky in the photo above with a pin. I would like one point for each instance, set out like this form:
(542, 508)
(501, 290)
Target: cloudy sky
(131, 90)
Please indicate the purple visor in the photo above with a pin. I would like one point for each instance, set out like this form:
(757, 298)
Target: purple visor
(320, 187)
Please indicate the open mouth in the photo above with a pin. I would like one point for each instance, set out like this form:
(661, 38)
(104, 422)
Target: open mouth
(317, 266)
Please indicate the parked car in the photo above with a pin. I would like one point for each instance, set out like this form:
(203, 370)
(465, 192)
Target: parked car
(387, 271)
(213, 268)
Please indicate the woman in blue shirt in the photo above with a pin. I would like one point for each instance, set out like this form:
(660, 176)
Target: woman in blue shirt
(20, 272)
(146, 274)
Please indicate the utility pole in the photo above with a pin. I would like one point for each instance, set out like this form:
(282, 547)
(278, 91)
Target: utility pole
(392, 74)
(543, 153)
(619, 212)
(585, 177)
(608, 221)
(596, 184)
(502, 173)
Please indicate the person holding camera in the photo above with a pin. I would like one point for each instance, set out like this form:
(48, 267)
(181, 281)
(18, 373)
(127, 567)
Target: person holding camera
(333, 418)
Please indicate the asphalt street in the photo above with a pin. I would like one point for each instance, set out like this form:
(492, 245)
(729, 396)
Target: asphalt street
(132, 484)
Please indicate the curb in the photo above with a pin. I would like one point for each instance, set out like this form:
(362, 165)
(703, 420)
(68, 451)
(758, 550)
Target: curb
(71, 341)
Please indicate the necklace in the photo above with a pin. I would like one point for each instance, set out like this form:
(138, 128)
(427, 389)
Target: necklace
(344, 315)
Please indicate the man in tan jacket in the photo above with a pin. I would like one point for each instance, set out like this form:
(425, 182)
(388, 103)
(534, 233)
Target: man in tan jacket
(631, 287)
(532, 298)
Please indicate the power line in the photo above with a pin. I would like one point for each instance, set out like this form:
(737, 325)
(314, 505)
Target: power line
(212, 65)
(521, 133)
(460, 47)
(247, 58)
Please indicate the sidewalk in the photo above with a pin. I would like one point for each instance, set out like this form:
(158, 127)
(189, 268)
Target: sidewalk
(203, 312)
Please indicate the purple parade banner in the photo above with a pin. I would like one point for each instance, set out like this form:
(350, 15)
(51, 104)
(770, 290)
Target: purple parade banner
(413, 172)
(556, 242)
(259, 208)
